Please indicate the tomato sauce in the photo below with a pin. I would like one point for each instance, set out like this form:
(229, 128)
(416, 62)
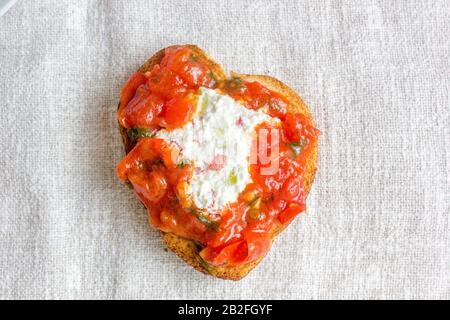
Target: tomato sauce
(166, 97)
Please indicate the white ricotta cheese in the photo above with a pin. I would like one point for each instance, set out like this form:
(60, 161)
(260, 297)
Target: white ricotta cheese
(218, 141)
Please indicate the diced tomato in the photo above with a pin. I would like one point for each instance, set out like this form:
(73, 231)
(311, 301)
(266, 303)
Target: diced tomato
(261, 97)
(297, 126)
(222, 256)
(168, 220)
(253, 247)
(151, 186)
(145, 150)
(274, 182)
(256, 96)
(167, 88)
(231, 225)
(177, 111)
(293, 191)
(151, 169)
(257, 245)
(142, 110)
(187, 66)
(256, 89)
(278, 204)
(290, 213)
(175, 57)
(135, 81)
(167, 84)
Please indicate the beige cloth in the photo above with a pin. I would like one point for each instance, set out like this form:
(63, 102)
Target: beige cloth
(374, 73)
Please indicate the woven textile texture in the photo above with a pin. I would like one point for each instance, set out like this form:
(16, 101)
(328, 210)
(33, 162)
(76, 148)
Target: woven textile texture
(375, 75)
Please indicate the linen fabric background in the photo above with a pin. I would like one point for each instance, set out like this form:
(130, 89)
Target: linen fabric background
(375, 75)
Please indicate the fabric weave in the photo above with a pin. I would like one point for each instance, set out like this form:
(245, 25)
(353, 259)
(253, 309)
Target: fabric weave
(375, 75)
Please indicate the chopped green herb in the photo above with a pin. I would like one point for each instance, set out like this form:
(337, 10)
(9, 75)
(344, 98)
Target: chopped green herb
(221, 132)
(204, 264)
(183, 163)
(135, 133)
(234, 84)
(213, 76)
(193, 57)
(129, 184)
(197, 248)
(158, 162)
(232, 179)
(198, 245)
(205, 101)
(297, 147)
(213, 225)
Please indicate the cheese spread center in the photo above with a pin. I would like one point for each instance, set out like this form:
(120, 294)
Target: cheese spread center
(218, 142)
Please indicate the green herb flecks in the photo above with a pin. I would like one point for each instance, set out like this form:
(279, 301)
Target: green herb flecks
(158, 162)
(213, 225)
(136, 133)
(213, 76)
(193, 57)
(197, 248)
(204, 105)
(234, 84)
(232, 178)
(183, 163)
(255, 212)
(129, 184)
(204, 264)
(221, 133)
(297, 147)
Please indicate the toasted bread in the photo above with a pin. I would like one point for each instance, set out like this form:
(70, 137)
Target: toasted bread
(187, 249)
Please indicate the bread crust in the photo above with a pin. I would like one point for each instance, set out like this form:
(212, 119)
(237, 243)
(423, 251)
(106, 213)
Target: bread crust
(187, 249)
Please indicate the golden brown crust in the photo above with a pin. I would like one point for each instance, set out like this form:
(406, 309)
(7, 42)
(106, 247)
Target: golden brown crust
(187, 249)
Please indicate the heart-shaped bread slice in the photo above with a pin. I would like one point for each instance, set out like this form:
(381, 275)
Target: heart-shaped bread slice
(187, 248)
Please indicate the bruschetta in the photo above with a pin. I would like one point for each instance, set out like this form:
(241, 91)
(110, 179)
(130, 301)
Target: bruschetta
(222, 164)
